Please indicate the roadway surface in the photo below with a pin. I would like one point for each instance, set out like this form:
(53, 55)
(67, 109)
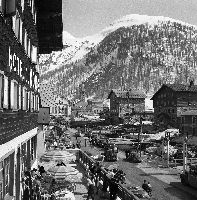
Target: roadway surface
(161, 190)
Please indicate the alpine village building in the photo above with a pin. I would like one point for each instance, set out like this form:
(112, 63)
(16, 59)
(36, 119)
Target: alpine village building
(126, 102)
(27, 28)
(175, 105)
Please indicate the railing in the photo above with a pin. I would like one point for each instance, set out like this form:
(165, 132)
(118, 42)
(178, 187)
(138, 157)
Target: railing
(123, 193)
(15, 124)
(179, 162)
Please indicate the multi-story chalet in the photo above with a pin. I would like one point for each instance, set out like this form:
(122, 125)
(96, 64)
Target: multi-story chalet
(188, 122)
(126, 102)
(20, 138)
(171, 100)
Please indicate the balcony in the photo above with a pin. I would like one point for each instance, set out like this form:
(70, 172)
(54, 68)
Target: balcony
(14, 124)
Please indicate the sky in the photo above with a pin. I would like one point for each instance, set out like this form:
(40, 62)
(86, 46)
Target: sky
(87, 17)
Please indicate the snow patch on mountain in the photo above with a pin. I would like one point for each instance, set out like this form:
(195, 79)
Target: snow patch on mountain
(136, 19)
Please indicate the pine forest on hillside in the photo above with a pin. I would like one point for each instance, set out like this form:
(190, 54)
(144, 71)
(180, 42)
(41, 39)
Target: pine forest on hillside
(141, 56)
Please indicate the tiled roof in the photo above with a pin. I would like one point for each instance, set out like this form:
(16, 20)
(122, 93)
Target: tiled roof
(132, 93)
(182, 88)
(178, 88)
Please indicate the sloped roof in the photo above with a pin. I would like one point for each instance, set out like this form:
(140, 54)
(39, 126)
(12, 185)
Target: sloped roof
(182, 88)
(189, 113)
(128, 93)
(178, 88)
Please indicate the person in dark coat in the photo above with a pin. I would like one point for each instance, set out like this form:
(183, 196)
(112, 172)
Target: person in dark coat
(113, 189)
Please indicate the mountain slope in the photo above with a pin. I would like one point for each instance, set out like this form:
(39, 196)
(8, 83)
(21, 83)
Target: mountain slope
(140, 52)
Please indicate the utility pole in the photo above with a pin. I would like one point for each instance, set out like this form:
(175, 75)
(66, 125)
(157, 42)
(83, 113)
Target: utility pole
(167, 137)
(185, 154)
(139, 136)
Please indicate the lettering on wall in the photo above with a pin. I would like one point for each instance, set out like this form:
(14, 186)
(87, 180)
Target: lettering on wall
(15, 63)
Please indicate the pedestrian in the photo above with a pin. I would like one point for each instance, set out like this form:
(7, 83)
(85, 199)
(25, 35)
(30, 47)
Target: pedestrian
(149, 189)
(113, 189)
(90, 185)
(145, 186)
(55, 144)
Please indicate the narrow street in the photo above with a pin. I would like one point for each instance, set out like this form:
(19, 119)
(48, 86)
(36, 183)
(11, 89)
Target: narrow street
(161, 190)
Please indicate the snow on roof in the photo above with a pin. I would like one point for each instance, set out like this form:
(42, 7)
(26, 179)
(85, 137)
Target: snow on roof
(158, 136)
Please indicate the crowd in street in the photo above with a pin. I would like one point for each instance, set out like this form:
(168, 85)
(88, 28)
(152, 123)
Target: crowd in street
(32, 183)
(110, 182)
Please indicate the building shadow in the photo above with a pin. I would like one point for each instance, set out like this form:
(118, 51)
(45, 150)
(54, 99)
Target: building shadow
(179, 195)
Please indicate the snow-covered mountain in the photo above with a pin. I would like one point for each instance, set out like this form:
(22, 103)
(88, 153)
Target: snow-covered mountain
(136, 51)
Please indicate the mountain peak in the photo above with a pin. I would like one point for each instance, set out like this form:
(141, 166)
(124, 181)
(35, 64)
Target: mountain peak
(136, 19)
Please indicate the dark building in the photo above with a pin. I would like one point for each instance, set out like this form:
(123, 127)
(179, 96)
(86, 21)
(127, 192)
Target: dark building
(21, 139)
(188, 122)
(171, 100)
(126, 102)
(49, 25)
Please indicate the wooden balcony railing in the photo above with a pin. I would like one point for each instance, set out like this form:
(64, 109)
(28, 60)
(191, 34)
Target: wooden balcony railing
(14, 124)
(123, 193)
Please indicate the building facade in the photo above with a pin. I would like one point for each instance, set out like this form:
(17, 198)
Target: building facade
(126, 102)
(171, 101)
(188, 122)
(21, 138)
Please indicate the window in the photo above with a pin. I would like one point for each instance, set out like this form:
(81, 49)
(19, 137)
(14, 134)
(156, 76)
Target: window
(1, 180)
(19, 97)
(17, 26)
(25, 41)
(5, 99)
(21, 31)
(32, 101)
(7, 168)
(22, 5)
(193, 131)
(34, 54)
(1, 91)
(12, 95)
(29, 48)
(27, 100)
(32, 148)
(1, 9)
(194, 119)
(24, 98)
(182, 120)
